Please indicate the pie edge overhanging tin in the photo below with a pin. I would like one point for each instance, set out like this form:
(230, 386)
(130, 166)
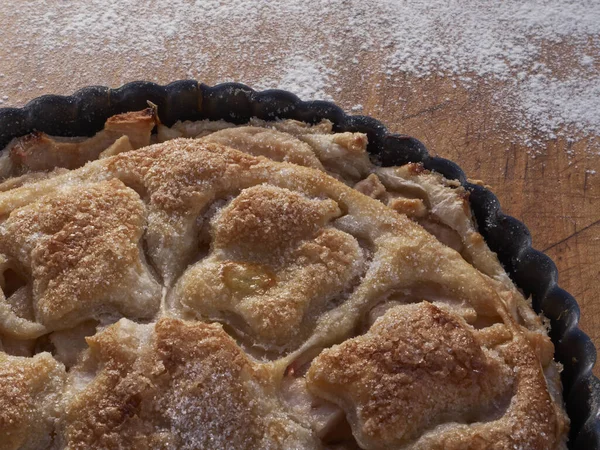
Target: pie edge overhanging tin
(84, 113)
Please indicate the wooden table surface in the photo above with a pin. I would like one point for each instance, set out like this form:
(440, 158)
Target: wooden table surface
(549, 186)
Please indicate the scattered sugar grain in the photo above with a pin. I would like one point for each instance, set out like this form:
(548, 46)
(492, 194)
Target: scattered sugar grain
(302, 47)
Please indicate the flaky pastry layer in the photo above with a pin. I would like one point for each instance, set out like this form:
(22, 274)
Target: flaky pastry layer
(261, 286)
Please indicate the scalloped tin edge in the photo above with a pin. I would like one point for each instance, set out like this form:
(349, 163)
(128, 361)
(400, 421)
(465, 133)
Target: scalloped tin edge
(85, 112)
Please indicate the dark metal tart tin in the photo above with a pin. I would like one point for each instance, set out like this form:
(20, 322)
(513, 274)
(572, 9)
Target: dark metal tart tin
(85, 112)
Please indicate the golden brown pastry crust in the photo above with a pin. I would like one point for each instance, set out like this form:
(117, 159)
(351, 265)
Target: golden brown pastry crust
(30, 400)
(422, 378)
(274, 263)
(80, 251)
(175, 385)
(437, 348)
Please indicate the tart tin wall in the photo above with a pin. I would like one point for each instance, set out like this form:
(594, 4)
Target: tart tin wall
(85, 112)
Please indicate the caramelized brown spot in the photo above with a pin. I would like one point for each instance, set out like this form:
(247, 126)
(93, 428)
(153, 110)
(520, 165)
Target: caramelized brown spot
(273, 144)
(412, 207)
(416, 168)
(354, 142)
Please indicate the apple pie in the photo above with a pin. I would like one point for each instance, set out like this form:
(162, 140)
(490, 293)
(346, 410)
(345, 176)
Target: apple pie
(264, 286)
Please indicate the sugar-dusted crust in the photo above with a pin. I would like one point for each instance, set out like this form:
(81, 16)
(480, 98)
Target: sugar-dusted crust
(285, 293)
(422, 378)
(80, 250)
(274, 263)
(30, 401)
(175, 385)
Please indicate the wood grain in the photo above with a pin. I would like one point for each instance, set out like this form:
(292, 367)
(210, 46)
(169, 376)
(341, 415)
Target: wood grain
(549, 186)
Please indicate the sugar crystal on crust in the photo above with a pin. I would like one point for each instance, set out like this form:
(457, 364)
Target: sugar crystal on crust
(176, 385)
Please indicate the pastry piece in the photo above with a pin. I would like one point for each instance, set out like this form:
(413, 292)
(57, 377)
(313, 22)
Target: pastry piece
(421, 378)
(341, 154)
(189, 129)
(273, 144)
(40, 152)
(30, 401)
(275, 265)
(175, 385)
(79, 254)
(294, 127)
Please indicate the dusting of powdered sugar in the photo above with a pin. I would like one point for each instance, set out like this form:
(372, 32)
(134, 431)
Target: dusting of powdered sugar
(304, 77)
(313, 47)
